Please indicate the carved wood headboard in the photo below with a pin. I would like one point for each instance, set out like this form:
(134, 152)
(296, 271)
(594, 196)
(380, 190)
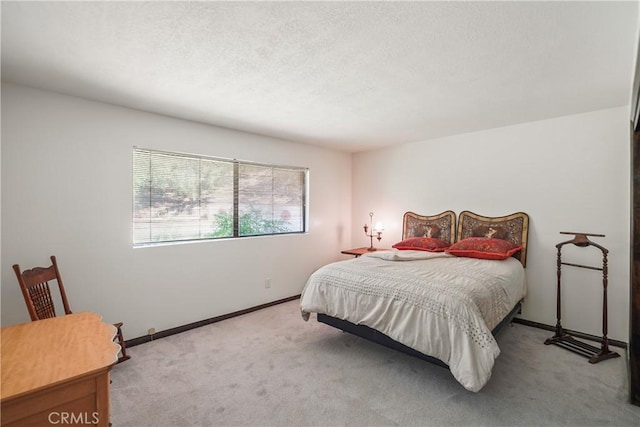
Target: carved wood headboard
(514, 228)
(441, 226)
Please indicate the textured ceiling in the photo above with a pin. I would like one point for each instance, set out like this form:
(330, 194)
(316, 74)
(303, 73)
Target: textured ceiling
(350, 75)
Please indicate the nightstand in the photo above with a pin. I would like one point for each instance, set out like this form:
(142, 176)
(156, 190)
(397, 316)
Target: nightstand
(359, 251)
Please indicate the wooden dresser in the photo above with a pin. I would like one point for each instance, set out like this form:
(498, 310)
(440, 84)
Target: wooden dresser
(56, 371)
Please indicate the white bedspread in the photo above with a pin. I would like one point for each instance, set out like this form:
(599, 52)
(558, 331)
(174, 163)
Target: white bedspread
(441, 305)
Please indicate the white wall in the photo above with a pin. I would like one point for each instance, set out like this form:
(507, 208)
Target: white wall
(569, 174)
(66, 190)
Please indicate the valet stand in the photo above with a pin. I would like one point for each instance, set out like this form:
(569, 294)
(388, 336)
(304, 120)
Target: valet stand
(563, 339)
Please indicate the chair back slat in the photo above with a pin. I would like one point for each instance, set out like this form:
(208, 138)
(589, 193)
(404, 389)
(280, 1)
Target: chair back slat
(38, 275)
(42, 301)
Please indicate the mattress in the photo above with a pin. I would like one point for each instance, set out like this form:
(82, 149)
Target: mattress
(436, 303)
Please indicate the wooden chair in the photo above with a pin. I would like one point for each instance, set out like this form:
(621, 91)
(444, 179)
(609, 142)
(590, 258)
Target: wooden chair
(34, 284)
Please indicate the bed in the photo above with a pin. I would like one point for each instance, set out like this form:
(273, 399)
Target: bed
(443, 304)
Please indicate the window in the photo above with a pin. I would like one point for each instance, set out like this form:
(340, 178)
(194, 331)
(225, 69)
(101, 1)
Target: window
(181, 197)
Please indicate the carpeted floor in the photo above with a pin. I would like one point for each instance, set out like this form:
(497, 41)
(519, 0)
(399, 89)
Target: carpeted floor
(270, 368)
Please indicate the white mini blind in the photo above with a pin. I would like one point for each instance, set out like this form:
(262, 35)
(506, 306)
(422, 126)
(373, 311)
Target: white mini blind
(180, 197)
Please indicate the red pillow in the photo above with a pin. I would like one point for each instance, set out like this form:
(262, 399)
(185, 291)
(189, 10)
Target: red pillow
(484, 248)
(428, 244)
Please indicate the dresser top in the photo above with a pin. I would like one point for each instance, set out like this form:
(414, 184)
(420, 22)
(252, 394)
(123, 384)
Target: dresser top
(46, 352)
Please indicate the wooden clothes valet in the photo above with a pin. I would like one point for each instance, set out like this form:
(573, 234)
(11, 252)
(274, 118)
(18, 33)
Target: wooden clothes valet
(562, 338)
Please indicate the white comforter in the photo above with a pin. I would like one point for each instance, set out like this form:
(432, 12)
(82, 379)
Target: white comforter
(441, 305)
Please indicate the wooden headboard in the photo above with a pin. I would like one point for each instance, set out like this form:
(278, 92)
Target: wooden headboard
(514, 228)
(441, 226)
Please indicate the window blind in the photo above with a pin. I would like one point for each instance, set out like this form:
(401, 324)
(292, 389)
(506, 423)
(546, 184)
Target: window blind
(181, 197)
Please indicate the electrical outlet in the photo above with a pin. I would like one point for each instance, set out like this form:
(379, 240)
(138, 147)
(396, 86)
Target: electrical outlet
(152, 331)
(267, 282)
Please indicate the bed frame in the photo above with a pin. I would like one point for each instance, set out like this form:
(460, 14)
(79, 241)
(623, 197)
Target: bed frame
(377, 337)
(514, 227)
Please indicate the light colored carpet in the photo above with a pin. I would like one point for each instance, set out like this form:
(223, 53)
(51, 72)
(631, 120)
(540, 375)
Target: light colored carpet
(270, 368)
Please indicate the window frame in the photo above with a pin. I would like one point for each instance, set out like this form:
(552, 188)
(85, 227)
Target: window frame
(235, 211)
